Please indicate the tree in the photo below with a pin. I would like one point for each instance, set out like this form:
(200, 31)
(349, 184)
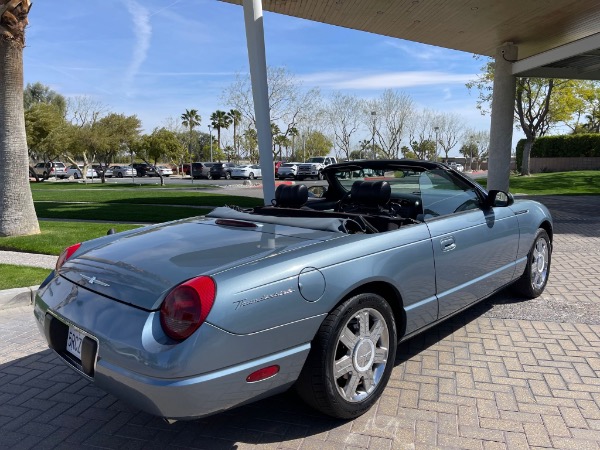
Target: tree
(343, 115)
(220, 119)
(536, 107)
(475, 147)
(317, 144)
(37, 93)
(281, 141)
(249, 144)
(190, 119)
(45, 125)
(450, 127)
(236, 120)
(393, 111)
(275, 132)
(422, 134)
(289, 104)
(162, 143)
(587, 106)
(17, 213)
(104, 139)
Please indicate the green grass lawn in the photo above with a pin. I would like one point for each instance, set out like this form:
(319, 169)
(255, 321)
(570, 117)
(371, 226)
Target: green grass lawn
(115, 212)
(141, 196)
(584, 182)
(21, 276)
(55, 236)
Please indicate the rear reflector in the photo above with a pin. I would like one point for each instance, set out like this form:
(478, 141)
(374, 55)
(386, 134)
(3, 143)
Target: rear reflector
(262, 374)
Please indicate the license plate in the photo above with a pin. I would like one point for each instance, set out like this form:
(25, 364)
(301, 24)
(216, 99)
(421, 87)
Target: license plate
(74, 340)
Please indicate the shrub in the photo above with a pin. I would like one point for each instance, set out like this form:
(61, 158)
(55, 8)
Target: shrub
(574, 145)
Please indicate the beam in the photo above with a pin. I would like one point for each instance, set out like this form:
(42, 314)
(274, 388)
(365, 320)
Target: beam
(255, 39)
(566, 51)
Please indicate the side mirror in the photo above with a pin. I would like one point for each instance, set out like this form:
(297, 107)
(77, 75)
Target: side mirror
(497, 198)
(317, 191)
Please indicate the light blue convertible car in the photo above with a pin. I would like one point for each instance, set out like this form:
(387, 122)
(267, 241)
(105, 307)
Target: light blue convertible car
(188, 318)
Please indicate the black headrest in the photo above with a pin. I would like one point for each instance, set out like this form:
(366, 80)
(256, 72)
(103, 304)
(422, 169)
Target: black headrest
(291, 196)
(370, 193)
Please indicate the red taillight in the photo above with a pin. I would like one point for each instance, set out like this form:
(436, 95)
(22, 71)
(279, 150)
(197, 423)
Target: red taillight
(66, 254)
(262, 374)
(186, 307)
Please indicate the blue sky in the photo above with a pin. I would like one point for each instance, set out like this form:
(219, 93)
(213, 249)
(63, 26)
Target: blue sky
(157, 58)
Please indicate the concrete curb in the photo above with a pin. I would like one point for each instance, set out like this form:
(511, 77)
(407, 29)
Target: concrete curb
(11, 298)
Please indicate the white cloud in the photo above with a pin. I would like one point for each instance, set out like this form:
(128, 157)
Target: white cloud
(388, 80)
(143, 33)
(429, 53)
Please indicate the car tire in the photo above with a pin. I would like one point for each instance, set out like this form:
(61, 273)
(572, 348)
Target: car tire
(533, 281)
(227, 176)
(320, 176)
(361, 330)
(45, 175)
(76, 176)
(120, 175)
(251, 176)
(209, 177)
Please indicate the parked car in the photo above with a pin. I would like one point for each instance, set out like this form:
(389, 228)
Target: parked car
(124, 171)
(164, 171)
(77, 172)
(314, 167)
(107, 170)
(248, 171)
(277, 164)
(201, 170)
(288, 170)
(144, 169)
(221, 170)
(49, 169)
(457, 166)
(312, 292)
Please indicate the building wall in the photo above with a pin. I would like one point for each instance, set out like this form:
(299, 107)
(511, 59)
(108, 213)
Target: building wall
(537, 165)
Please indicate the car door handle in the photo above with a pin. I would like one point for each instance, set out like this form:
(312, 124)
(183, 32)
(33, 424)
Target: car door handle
(448, 244)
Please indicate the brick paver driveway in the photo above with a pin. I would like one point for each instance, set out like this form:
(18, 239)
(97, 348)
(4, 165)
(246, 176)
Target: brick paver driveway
(504, 374)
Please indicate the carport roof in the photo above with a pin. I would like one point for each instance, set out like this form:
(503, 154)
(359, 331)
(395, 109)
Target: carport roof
(556, 38)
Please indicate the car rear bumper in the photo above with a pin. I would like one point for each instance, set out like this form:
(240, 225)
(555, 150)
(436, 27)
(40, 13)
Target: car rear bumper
(130, 358)
(205, 394)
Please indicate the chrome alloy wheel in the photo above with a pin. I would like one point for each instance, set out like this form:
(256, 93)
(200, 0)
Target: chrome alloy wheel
(539, 263)
(361, 355)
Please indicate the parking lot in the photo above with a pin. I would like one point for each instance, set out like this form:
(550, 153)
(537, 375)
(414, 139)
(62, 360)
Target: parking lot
(503, 374)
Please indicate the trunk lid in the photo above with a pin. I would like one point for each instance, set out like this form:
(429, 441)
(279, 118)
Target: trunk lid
(141, 267)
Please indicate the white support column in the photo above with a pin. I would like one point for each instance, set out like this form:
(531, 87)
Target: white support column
(255, 39)
(503, 105)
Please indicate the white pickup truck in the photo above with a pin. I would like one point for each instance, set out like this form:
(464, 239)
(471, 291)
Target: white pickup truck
(313, 166)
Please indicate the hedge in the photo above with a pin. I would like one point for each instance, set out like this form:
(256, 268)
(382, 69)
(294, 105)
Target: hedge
(574, 146)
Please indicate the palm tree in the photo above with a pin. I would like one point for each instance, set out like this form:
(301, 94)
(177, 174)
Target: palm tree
(220, 119)
(17, 214)
(236, 118)
(294, 133)
(275, 131)
(190, 119)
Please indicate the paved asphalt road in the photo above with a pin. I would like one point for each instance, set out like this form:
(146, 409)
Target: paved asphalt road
(505, 374)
